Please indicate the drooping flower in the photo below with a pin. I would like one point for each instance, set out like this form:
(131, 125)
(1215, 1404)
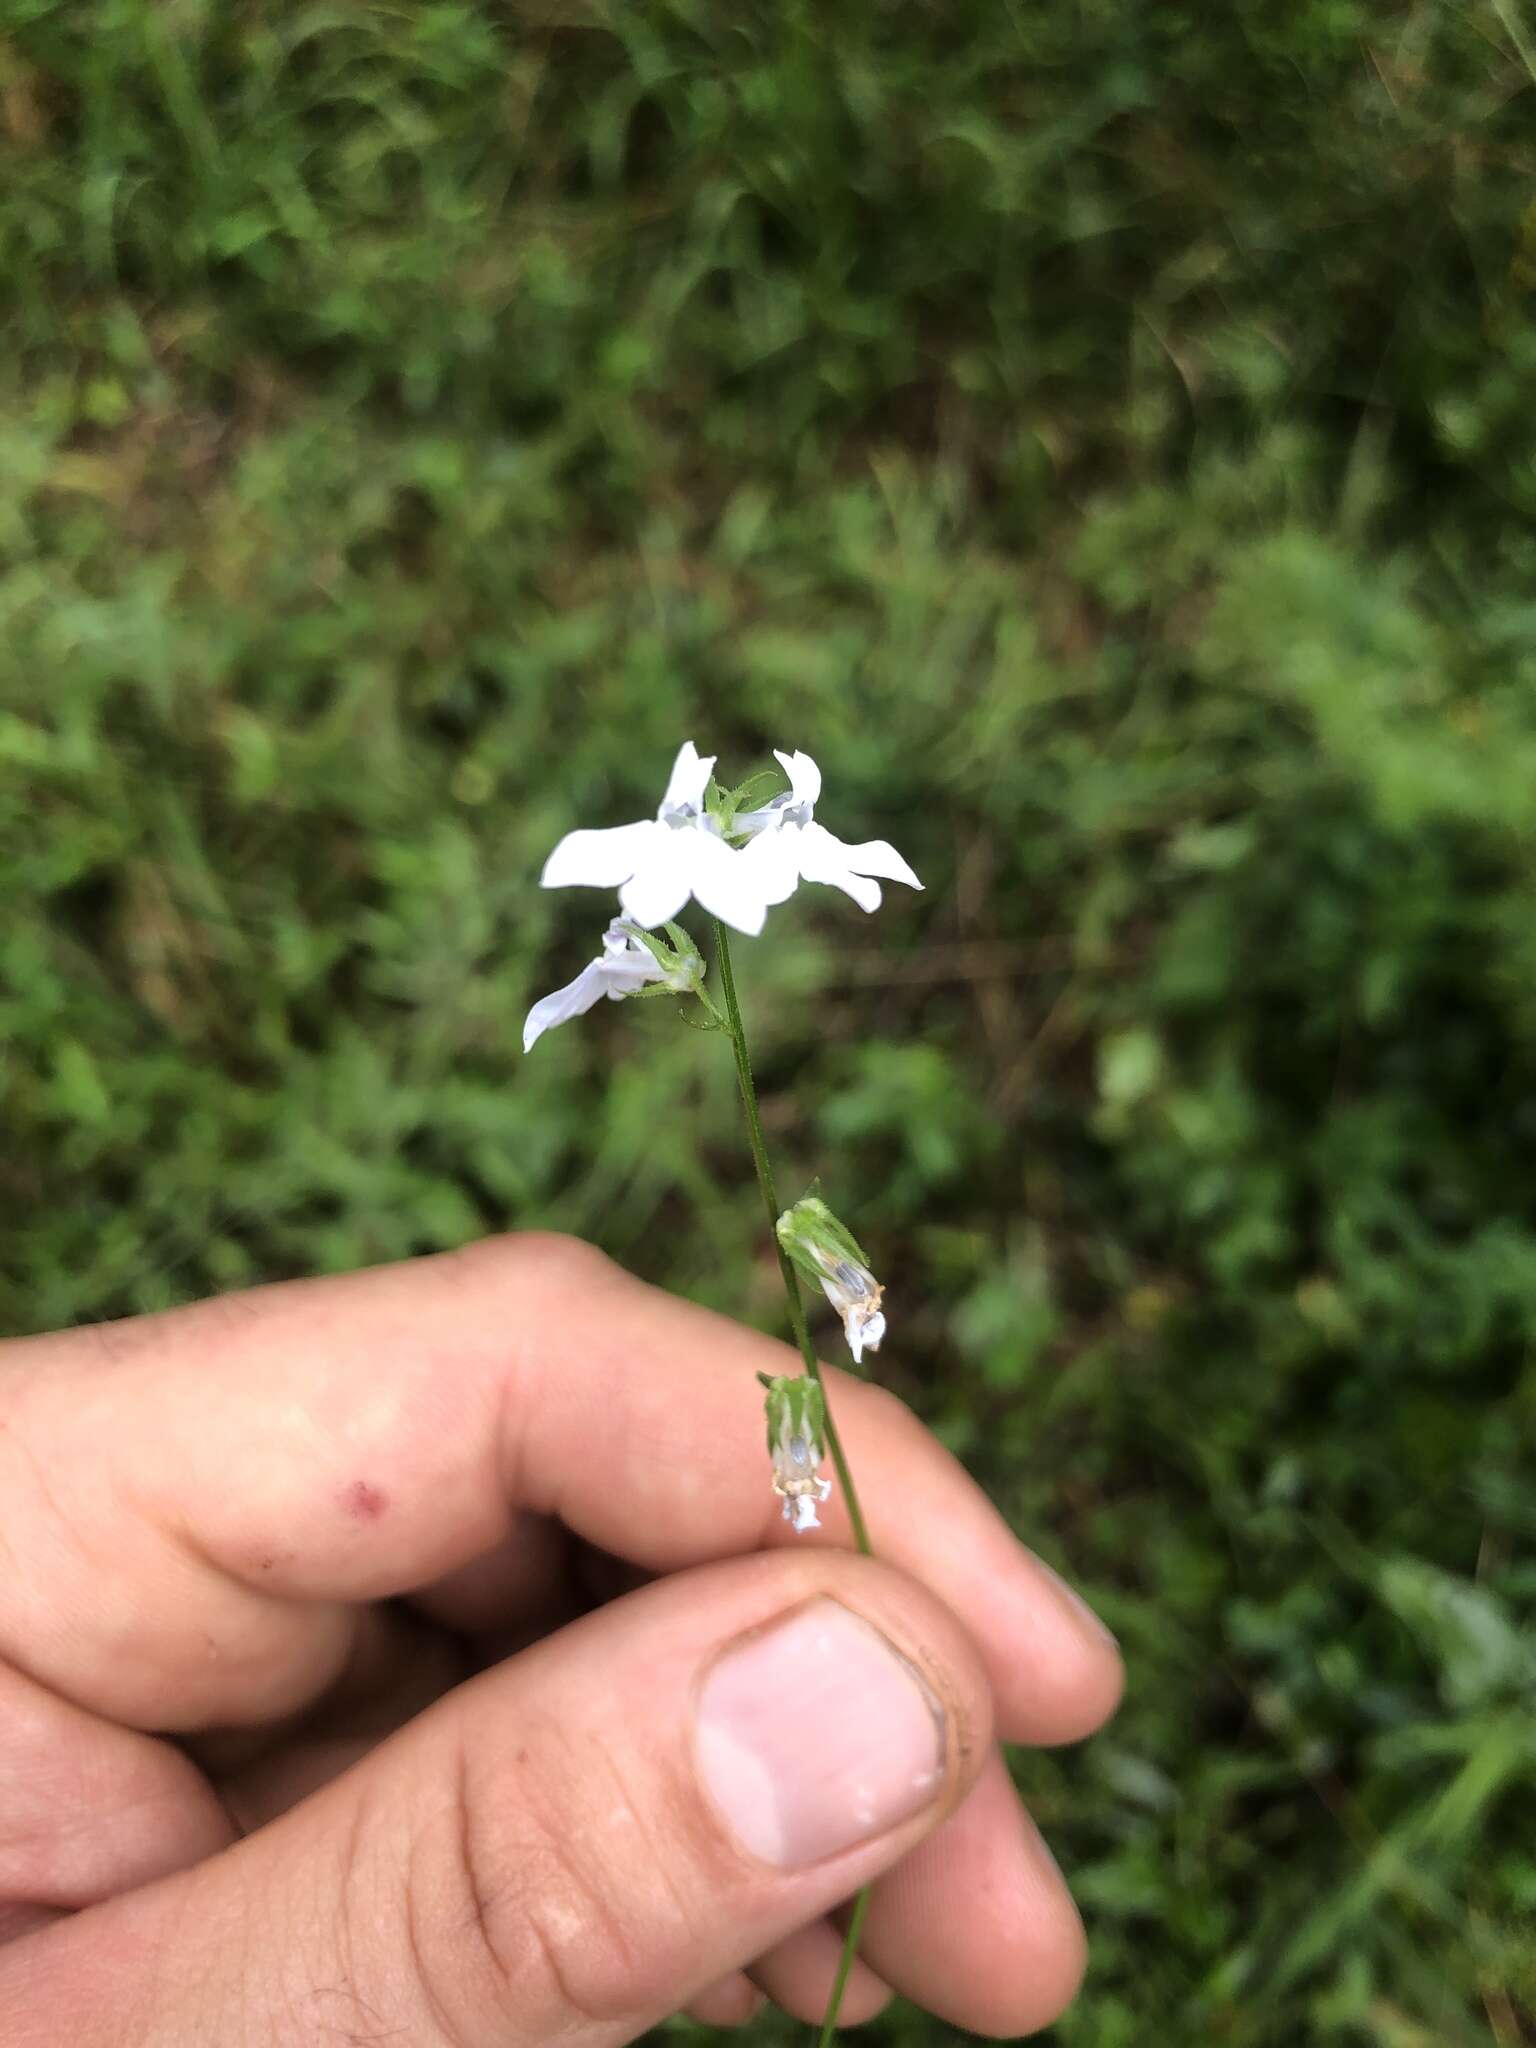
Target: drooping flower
(658, 864)
(855, 1293)
(624, 967)
(827, 1252)
(787, 846)
(796, 1410)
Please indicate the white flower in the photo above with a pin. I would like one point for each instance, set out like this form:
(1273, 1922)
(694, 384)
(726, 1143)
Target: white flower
(795, 1459)
(788, 847)
(826, 1251)
(623, 966)
(855, 1293)
(659, 863)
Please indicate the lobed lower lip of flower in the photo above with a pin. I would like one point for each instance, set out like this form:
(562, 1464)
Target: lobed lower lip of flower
(786, 846)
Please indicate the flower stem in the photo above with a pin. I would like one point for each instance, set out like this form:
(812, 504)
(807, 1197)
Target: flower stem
(738, 1037)
(844, 1965)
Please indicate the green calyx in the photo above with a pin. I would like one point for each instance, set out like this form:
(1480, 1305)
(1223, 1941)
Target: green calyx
(680, 961)
(795, 1407)
(814, 1239)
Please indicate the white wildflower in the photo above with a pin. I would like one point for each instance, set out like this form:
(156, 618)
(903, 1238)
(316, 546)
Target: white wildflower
(660, 863)
(795, 1477)
(787, 846)
(796, 1410)
(625, 966)
(827, 1252)
(855, 1293)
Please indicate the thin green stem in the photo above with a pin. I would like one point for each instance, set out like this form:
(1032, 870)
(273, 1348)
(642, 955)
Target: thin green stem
(844, 1965)
(738, 1037)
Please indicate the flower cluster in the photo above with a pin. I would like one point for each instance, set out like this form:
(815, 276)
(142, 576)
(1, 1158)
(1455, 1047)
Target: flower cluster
(737, 857)
(736, 865)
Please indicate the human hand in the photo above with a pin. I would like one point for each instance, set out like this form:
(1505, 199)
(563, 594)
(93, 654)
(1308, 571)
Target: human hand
(314, 1727)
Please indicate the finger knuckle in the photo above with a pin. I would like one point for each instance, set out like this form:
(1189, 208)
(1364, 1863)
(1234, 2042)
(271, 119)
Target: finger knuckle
(550, 1923)
(528, 1260)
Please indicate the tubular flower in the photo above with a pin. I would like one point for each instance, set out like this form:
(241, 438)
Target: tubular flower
(827, 1252)
(796, 1409)
(786, 846)
(855, 1293)
(658, 864)
(624, 967)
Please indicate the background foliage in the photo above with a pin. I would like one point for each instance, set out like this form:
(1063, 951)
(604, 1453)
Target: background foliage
(1105, 435)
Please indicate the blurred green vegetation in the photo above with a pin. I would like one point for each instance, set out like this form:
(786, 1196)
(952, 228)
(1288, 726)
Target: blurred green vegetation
(1105, 436)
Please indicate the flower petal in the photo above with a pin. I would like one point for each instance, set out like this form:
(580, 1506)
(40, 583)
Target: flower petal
(689, 779)
(574, 1000)
(774, 861)
(658, 889)
(599, 860)
(879, 857)
(804, 776)
(824, 858)
(863, 1332)
(728, 885)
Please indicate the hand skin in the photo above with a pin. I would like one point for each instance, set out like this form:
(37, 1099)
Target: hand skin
(418, 1656)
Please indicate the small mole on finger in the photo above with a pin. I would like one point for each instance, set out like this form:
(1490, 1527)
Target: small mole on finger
(364, 1503)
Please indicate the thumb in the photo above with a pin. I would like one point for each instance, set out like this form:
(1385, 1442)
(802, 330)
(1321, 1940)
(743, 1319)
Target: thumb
(570, 1846)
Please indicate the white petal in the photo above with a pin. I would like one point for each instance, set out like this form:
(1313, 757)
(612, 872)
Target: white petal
(634, 971)
(658, 890)
(871, 1334)
(773, 859)
(725, 882)
(574, 1000)
(879, 857)
(824, 858)
(689, 780)
(804, 776)
(599, 860)
(804, 1516)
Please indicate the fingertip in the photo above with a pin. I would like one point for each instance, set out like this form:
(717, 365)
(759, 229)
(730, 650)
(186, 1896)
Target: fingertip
(977, 1924)
(1086, 1673)
(799, 1973)
(731, 2001)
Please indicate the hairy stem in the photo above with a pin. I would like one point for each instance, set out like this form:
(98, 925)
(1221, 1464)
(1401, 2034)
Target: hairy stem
(738, 1038)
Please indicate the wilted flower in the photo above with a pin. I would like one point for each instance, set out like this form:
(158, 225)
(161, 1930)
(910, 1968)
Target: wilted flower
(659, 863)
(787, 846)
(796, 1410)
(827, 1252)
(625, 966)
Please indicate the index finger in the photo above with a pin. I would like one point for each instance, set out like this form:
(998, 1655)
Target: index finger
(339, 1440)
